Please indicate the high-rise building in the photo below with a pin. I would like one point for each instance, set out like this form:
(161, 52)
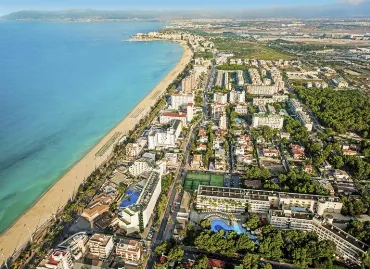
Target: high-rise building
(135, 213)
(189, 83)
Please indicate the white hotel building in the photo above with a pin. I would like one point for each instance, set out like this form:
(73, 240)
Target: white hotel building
(285, 211)
(165, 138)
(273, 121)
(177, 100)
(135, 217)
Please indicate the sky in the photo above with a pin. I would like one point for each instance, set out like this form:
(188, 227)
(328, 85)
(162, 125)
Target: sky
(7, 6)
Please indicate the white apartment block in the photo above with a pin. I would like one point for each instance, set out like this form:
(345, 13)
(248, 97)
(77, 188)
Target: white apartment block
(242, 110)
(305, 120)
(147, 165)
(168, 116)
(262, 90)
(101, 245)
(134, 149)
(189, 83)
(302, 116)
(222, 124)
(236, 97)
(274, 99)
(129, 250)
(295, 105)
(222, 78)
(200, 69)
(75, 244)
(236, 200)
(272, 121)
(165, 138)
(135, 217)
(220, 98)
(255, 76)
(56, 259)
(348, 247)
(240, 77)
(177, 100)
(217, 110)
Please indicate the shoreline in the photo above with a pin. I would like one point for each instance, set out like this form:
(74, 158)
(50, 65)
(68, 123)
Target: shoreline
(58, 194)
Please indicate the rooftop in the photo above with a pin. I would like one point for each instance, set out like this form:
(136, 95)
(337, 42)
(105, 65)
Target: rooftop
(257, 194)
(100, 239)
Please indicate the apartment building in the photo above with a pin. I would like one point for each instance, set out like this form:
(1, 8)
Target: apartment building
(146, 165)
(129, 250)
(134, 149)
(135, 212)
(222, 79)
(255, 76)
(305, 120)
(177, 100)
(296, 107)
(236, 97)
(222, 123)
(240, 78)
(168, 116)
(101, 245)
(348, 247)
(217, 110)
(242, 110)
(262, 90)
(268, 100)
(165, 137)
(236, 200)
(272, 121)
(220, 98)
(189, 83)
(76, 245)
(56, 259)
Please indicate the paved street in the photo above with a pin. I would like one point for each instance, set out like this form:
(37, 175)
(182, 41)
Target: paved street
(159, 237)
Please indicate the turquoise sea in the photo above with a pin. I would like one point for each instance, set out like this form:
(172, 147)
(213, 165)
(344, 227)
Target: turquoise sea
(63, 86)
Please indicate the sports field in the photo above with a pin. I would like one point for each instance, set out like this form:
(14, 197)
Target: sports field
(194, 179)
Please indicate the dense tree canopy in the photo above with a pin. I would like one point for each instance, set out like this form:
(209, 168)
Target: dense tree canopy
(300, 247)
(359, 229)
(347, 110)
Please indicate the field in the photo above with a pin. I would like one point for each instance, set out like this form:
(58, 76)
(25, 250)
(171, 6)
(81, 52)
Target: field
(247, 49)
(194, 179)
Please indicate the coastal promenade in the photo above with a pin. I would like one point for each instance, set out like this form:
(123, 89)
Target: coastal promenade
(58, 194)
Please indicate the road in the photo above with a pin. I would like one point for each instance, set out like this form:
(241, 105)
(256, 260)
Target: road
(158, 238)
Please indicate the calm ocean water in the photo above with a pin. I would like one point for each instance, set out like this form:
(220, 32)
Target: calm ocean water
(63, 86)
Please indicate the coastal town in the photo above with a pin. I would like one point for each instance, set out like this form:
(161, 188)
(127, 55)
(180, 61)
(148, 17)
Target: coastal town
(259, 162)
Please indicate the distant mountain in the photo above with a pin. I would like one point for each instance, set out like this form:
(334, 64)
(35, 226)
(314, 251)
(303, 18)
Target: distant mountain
(338, 10)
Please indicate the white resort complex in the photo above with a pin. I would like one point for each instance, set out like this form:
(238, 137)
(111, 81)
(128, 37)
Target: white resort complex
(285, 211)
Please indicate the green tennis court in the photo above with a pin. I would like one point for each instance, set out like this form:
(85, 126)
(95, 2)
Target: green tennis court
(194, 179)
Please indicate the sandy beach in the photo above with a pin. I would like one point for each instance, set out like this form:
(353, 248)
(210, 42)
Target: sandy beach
(58, 195)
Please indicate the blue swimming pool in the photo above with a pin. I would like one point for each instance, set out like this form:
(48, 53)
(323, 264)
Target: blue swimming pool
(130, 198)
(217, 225)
